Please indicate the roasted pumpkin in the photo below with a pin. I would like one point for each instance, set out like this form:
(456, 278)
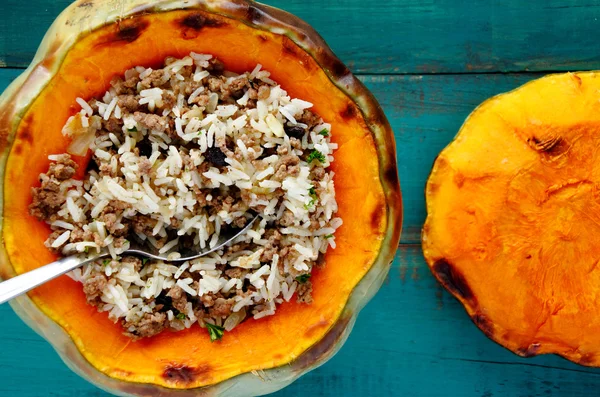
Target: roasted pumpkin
(94, 40)
(513, 219)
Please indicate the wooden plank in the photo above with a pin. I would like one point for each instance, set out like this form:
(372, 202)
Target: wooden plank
(412, 339)
(399, 36)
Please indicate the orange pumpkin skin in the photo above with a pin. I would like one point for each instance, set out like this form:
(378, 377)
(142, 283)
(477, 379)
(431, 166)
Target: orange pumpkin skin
(92, 42)
(512, 227)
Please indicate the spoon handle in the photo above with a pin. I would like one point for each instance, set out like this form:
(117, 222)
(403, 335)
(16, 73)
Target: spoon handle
(22, 283)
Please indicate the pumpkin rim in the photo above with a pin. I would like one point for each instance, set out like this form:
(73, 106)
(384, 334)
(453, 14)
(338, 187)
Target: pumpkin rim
(310, 42)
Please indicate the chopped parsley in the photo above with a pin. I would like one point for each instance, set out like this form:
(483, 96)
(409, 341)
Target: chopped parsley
(86, 250)
(144, 260)
(106, 262)
(303, 278)
(315, 155)
(311, 191)
(132, 129)
(180, 316)
(310, 204)
(328, 235)
(214, 331)
(324, 132)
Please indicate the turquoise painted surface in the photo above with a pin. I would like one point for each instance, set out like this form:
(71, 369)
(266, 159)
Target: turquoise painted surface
(429, 62)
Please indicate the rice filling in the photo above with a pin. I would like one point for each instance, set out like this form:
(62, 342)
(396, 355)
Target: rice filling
(179, 155)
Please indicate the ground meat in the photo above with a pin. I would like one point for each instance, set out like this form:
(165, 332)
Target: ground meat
(151, 121)
(304, 292)
(222, 307)
(106, 170)
(63, 169)
(318, 173)
(129, 102)
(145, 166)
(273, 239)
(137, 262)
(45, 203)
(287, 219)
(215, 66)
(151, 324)
(236, 87)
(154, 79)
(94, 286)
(296, 143)
(208, 300)
(109, 220)
(215, 84)
(236, 272)
(179, 298)
(309, 118)
(201, 100)
(112, 125)
(263, 92)
(125, 87)
(143, 224)
(287, 165)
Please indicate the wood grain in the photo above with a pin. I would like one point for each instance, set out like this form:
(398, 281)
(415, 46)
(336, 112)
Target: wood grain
(399, 36)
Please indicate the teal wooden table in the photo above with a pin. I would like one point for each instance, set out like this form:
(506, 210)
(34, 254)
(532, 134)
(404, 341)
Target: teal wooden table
(429, 62)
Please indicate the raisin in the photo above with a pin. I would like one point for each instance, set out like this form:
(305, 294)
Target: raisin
(215, 156)
(294, 131)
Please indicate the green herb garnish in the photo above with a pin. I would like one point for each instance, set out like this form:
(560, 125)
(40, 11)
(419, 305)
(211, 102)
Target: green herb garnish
(328, 235)
(144, 260)
(215, 331)
(311, 191)
(86, 250)
(180, 316)
(310, 204)
(315, 155)
(303, 278)
(132, 129)
(324, 132)
(106, 262)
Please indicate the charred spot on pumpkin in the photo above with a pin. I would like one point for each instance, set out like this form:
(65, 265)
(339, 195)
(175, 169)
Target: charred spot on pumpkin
(459, 179)
(484, 324)
(376, 217)
(184, 374)
(588, 359)
(349, 112)
(18, 149)
(26, 136)
(529, 351)
(197, 21)
(390, 175)
(553, 146)
(254, 15)
(338, 69)
(315, 328)
(262, 38)
(453, 279)
(130, 31)
(325, 345)
(85, 4)
(289, 47)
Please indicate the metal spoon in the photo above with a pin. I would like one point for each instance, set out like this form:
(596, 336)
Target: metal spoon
(22, 283)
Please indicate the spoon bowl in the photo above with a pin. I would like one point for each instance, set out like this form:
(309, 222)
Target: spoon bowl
(22, 283)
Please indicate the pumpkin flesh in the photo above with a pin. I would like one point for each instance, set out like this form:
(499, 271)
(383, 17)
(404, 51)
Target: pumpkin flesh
(513, 227)
(188, 359)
